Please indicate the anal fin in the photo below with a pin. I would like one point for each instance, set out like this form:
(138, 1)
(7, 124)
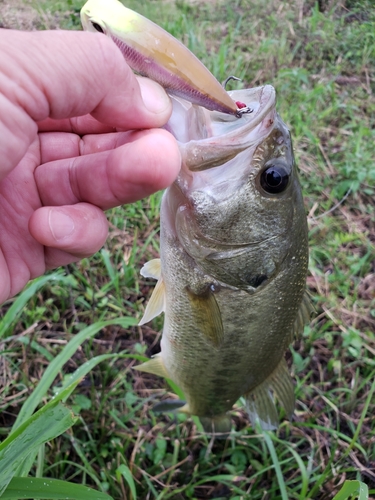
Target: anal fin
(260, 402)
(304, 316)
(260, 405)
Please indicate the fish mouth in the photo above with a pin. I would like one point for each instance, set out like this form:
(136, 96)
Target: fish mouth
(208, 139)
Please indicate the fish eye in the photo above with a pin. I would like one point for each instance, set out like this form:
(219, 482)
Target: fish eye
(97, 27)
(274, 179)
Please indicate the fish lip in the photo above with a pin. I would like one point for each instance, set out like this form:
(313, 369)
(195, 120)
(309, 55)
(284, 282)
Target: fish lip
(247, 122)
(217, 148)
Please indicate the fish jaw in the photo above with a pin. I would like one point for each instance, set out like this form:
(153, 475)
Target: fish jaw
(153, 52)
(209, 140)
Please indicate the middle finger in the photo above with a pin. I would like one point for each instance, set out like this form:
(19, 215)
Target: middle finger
(148, 161)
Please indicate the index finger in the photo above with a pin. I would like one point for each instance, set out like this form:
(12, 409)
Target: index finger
(81, 125)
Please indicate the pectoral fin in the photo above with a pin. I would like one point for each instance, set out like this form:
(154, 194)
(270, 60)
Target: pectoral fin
(208, 316)
(156, 304)
(155, 366)
(152, 269)
(260, 403)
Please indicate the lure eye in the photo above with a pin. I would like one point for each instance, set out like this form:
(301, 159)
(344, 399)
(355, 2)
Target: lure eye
(274, 179)
(98, 27)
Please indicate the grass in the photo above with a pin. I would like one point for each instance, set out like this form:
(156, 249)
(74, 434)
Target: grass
(320, 58)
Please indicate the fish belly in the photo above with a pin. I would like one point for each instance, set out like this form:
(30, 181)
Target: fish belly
(256, 332)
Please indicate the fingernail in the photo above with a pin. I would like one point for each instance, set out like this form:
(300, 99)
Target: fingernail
(60, 224)
(154, 96)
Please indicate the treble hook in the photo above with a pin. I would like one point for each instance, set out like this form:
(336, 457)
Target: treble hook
(229, 79)
(242, 109)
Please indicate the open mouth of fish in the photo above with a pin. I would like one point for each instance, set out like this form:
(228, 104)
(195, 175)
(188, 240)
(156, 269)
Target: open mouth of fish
(210, 138)
(213, 144)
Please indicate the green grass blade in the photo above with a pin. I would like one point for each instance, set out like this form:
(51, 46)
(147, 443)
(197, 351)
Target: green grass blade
(87, 467)
(28, 459)
(125, 472)
(175, 388)
(17, 307)
(38, 348)
(275, 460)
(360, 423)
(49, 422)
(84, 369)
(301, 465)
(350, 488)
(25, 487)
(55, 366)
(108, 264)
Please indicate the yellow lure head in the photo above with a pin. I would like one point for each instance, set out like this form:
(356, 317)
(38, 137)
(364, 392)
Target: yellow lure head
(153, 52)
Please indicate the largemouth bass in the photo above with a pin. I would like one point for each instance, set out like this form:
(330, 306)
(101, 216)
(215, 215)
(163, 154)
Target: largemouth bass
(233, 260)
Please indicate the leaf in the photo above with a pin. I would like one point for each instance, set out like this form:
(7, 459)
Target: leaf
(52, 371)
(49, 422)
(350, 488)
(125, 472)
(84, 369)
(17, 307)
(55, 366)
(26, 487)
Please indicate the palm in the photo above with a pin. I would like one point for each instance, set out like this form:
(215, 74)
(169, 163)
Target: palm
(79, 175)
(21, 256)
(58, 174)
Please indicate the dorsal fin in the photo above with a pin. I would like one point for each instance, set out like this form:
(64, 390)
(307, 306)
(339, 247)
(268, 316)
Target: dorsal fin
(304, 315)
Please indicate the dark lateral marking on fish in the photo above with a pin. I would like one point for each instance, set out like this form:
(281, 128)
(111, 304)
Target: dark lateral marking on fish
(207, 315)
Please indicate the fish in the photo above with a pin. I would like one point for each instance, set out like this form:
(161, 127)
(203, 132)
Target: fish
(231, 278)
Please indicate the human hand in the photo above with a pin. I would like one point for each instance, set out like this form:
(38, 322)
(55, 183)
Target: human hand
(77, 136)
